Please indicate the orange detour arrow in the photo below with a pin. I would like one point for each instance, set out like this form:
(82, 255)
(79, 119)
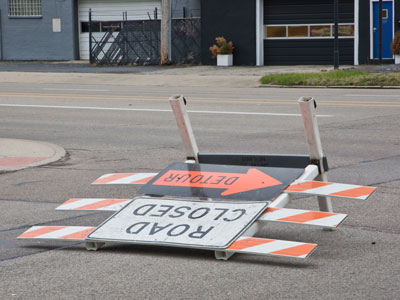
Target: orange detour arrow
(233, 183)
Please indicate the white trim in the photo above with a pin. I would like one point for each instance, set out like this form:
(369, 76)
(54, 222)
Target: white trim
(356, 32)
(371, 26)
(259, 32)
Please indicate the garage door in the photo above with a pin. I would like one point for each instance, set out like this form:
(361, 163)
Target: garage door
(106, 11)
(302, 32)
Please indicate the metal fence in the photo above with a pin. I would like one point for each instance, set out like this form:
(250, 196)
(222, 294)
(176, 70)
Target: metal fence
(185, 40)
(137, 42)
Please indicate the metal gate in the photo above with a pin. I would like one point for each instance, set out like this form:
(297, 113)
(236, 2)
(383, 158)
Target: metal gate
(185, 40)
(138, 42)
(125, 42)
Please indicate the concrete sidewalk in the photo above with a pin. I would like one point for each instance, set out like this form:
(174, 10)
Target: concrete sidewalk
(174, 76)
(20, 154)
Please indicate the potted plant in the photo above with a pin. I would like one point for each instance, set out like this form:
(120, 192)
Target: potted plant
(223, 51)
(395, 47)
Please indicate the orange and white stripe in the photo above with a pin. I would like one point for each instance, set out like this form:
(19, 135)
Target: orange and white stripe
(250, 245)
(101, 204)
(74, 233)
(262, 246)
(331, 189)
(125, 178)
(286, 215)
(317, 188)
(299, 216)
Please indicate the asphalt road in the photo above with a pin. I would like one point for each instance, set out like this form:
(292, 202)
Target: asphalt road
(119, 128)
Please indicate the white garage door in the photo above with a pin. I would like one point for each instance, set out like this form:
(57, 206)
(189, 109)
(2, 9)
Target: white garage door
(111, 10)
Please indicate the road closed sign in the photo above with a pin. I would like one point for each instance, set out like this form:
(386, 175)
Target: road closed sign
(183, 223)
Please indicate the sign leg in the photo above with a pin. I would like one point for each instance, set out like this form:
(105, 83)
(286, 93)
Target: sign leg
(185, 127)
(94, 246)
(308, 112)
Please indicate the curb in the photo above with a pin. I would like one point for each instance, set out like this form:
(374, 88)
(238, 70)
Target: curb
(47, 153)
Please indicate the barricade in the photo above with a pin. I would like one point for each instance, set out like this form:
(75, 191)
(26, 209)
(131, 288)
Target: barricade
(216, 202)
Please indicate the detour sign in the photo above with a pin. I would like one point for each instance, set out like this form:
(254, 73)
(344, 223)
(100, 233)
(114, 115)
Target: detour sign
(220, 181)
(172, 222)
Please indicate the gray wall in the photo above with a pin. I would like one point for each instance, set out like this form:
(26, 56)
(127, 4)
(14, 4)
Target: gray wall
(34, 39)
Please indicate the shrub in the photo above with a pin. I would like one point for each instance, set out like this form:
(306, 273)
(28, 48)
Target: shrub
(222, 47)
(395, 46)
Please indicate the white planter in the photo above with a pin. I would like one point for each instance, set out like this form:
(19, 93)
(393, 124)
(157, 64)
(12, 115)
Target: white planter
(224, 60)
(397, 59)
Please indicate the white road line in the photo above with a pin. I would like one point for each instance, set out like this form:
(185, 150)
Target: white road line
(159, 110)
(369, 95)
(87, 90)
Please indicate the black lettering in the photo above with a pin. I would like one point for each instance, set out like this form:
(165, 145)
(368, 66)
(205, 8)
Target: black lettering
(224, 210)
(206, 211)
(195, 180)
(209, 177)
(157, 228)
(199, 234)
(184, 178)
(231, 180)
(171, 177)
(243, 211)
(148, 206)
(163, 212)
(179, 211)
(185, 228)
(139, 229)
(218, 180)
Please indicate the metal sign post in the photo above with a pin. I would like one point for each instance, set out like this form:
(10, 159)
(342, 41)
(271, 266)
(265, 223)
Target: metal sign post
(308, 111)
(336, 34)
(184, 126)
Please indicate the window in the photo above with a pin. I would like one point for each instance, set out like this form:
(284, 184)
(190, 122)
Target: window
(320, 30)
(24, 8)
(307, 31)
(276, 31)
(346, 30)
(298, 31)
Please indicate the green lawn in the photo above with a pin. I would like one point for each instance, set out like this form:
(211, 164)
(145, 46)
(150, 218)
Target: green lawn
(333, 78)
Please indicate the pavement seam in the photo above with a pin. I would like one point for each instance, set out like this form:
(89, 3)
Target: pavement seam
(48, 222)
(40, 252)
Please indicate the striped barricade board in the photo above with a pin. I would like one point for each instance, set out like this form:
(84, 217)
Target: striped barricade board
(284, 215)
(249, 245)
(315, 188)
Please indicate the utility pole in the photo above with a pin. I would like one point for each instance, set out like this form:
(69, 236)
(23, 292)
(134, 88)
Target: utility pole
(336, 34)
(165, 31)
(380, 30)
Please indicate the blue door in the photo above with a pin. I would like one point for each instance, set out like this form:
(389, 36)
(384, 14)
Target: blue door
(387, 29)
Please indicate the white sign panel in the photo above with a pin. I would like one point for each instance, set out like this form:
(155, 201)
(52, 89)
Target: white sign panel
(183, 223)
(56, 25)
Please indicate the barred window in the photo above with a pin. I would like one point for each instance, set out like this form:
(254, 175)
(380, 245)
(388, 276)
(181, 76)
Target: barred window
(23, 8)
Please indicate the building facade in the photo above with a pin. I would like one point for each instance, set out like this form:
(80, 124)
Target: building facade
(293, 32)
(264, 32)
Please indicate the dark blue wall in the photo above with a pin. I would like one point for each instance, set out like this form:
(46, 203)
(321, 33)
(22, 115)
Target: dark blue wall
(25, 38)
(236, 21)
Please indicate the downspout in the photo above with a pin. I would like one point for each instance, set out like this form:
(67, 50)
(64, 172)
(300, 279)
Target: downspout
(259, 32)
(356, 32)
(1, 38)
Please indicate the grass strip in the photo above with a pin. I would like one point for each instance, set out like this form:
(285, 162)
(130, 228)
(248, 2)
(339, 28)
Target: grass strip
(333, 78)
